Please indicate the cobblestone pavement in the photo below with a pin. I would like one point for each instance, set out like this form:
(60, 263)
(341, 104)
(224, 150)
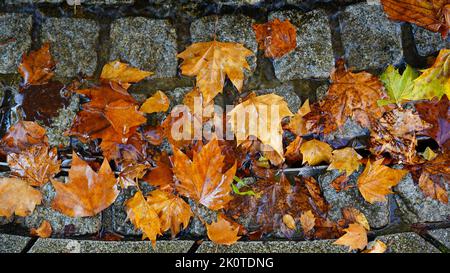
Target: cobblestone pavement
(149, 38)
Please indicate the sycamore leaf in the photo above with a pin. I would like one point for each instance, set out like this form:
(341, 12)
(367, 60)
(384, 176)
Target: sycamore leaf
(173, 211)
(123, 115)
(292, 153)
(159, 102)
(87, 193)
(376, 247)
(437, 114)
(143, 217)
(297, 124)
(434, 81)
(23, 135)
(315, 152)
(203, 179)
(211, 62)
(131, 173)
(223, 232)
(264, 121)
(355, 237)
(17, 197)
(399, 87)
(308, 221)
(123, 74)
(276, 38)
(434, 190)
(37, 67)
(161, 176)
(345, 160)
(43, 231)
(289, 221)
(376, 181)
(37, 164)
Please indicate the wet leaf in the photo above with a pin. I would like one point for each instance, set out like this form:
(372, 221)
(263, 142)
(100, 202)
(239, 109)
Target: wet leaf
(289, 221)
(123, 116)
(308, 221)
(161, 176)
(297, 124)
(352, 215)
(436, 113)
(315, 152)
(399, 87)
(37, 67)
(159, 102)
(355, 237)
(122, 73)
(276, 38)
(223, 232)
(17, 197)
(293, 153)
(130, 174)
(43, 231)
(23, 135)
(346, 160)
(376, 247)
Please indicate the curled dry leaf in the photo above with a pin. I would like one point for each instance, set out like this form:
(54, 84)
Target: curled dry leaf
(43, 231)
(202, 179)
(289, 221)
(23, 135)
(17, 197)
(87, 193)
(315, 152)
(376, 181)
(223, 232)
(37, 67)
(308, 221)
(355, 237)
(159, 102)
(276, 38)
(211, 62)
(345, 160)
(122, 74)
(376, 247)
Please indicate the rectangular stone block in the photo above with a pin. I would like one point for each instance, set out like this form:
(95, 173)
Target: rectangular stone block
(428, 42)
(12, 243)
(408, 242)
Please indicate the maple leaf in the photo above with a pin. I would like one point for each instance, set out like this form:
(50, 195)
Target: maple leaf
(355, 237)
(143, 217)
(436, 113)
(87, 193)
(23, 135)
(292, 153)
(268, 110)
(376, 247)
(161, 176)
(211, 62)
(202, 179)
(433, 15)
(102, 95)
(376, 181)
(297, 124)
(122, 74)
(315, 152)
(289, 221)
(276, 38)
(352, 215)
(37, 67)
(123, 115)
(223, 231)
(345, 160)
(159, 102)
(173, 211)
(308, 221)
(399, 87)
(43, 231)
(17, 197)
(131, 173)
(434, 81)
(37, 164)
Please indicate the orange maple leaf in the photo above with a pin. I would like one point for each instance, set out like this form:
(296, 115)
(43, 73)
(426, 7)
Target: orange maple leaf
(17, 197)
(37, 67)
(223, 232)
(159, 102)
(43, 231)
(276, 38)
(21, 136)
(122, 74)
(355, 237)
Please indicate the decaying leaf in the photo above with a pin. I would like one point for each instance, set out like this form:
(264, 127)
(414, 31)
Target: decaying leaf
(437, 113)
(276, 38)
(123, 116)
(293, 153)
(315, 152)
(17, 197)
(23, 135)
(211, 62)
(37, 67)
(289, 221)
(43, 231)
(376, 247)
(297, 124)
(355, 237)
(346, 160)
(87, 193)
(159, 102)
(308, 221)
(122, 74)
(223, 232)
(399, 87)
(352, 215)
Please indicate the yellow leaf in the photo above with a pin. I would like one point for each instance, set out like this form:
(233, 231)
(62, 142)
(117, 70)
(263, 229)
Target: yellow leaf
(297, 124)
(17, 197)
(211, 62)
(123, 74)
(308, 221)
(355, 237)
(315, 152)
(345, 160)
(159, 102)
(429, 154)
(353, 215)
(376, 247)
(289, 221)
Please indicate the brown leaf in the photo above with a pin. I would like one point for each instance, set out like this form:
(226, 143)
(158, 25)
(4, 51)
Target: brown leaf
(352, 215)
(87, 193)
(223, 232)
(123, 116)
(436, 113)
(315, 152)
(161, 176)
(276, 38)
(292, 153)
(297, 124)
(17, 197)
(44, 230)
(122, 74)
(130, 174)
(23, 135)
(37, 67)
(346, 160)
(159, 102)
(340, 183)
(355, 237)
(308, 221)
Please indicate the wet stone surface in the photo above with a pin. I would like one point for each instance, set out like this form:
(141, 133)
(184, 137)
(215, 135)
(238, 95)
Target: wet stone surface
(428, 42)
(408, 242)
(370, 39)
(15, 40)
(12, 243)
(146, 44)
(442, 235)
(351, 131)
(72, 45)
(377, 214)
(287, 92)
(313, 57)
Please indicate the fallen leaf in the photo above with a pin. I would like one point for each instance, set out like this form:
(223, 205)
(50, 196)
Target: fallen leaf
(122, 73)
(355, 237)
(297, 124)
(292, 153)
(376, 247)
(276, 38)
(399, 87)
(315, 152)
(289, 221)
(352, 215)
(159, 102)
(308, 221)
(161, 176)
(376, 181)
(211, 62)
(17, 197)
(37, 67)
(437, 113)
(345, 160)
(429, 154)
(123, 115)
(131, 173)
(43, 231)
(223, 232)
(87, 193)
(23, 135)
(341, 183)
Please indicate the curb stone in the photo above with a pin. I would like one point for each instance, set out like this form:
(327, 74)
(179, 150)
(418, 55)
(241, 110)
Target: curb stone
(13, 243)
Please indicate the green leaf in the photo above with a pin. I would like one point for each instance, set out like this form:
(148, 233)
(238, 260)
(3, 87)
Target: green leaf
(240, 183)
(399, 87)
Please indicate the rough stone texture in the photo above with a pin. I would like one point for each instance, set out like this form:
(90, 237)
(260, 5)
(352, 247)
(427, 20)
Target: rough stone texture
(415, 207)
(287, 92)
(428, 42)
(313, 57)
(15, 40)
(12, 243)
(442, 235)
(12, 2)
(196, 228)
(377, 214)
(408, 242)
(227, 28)
(147, 44)
(72, 44)
(322, 91)
(370, 39)
(322, 246)
(61, 224)
(350, 131)
(85, 246)
(62, 123)
(107, 2)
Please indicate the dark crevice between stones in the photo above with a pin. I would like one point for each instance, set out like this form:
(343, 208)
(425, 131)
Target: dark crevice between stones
(410, 53)
(195, 246)
(336, 40)
(29, 245)
(436, 243)
(102, 46)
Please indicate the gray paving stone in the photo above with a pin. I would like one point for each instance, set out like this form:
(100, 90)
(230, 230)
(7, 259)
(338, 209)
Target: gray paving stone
(107, 2)
(320, 246)
(408, 242)
(428, 42)
(377, 214)
(313, 57)
(12, 243)
(370, 39)
(415, 207)
(12, 2)
(146, 44)
(72, 44)
(287, 92)
(442, 235)
(15, 40)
